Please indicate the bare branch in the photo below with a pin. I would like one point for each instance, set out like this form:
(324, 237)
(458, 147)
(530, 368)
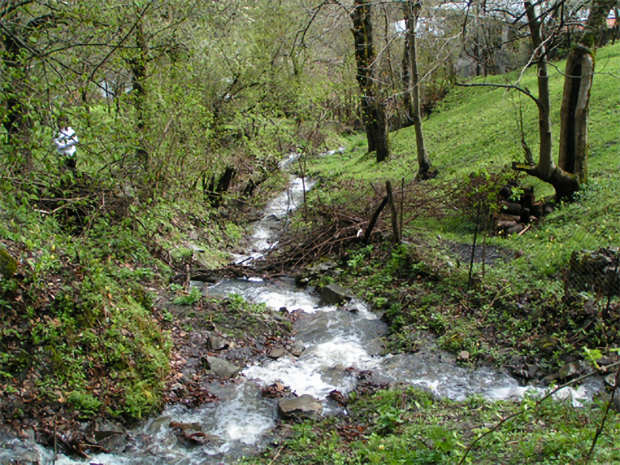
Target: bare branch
(501, 86)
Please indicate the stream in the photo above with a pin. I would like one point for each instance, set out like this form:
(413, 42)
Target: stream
(337, 343)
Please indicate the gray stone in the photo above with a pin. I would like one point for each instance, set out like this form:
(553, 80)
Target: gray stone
(297, 349)
(376, 346)
(610, 380)
(515, 229)
(105, 429)
(215, 342)
(333, 294)
(276, 352)
(31, 457)
(304, 406)
(222, 368)
(595, 271)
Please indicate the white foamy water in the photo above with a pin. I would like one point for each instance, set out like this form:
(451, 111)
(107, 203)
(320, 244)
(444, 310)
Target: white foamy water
(320, 370)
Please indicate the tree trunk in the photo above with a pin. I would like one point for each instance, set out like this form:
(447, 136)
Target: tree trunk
(138, 81)
(574, 113)
(373, 112)
(411, 11)
(578, 78)
(565, 184)
(406, 83)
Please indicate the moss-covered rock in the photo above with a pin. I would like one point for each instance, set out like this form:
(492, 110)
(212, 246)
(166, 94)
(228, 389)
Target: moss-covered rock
(8, 265)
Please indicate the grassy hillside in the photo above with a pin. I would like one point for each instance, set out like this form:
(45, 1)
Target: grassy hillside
(476, 131)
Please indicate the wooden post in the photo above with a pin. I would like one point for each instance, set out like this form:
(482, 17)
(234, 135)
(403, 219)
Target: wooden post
(390, 197)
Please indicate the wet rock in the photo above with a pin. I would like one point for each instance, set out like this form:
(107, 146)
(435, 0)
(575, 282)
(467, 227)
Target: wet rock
(185, 426)
(276, 352)
(22, 456)
(376, 346)
(274, 390)
(610, 380)
(192, 434)
(158, 423)
(105, 429)
(222, 368)
(297, 349)
(110, 436)
(333, 294)
(304, 406)
(215, 342)
(569, 370)
(532, 370)
(338, 397)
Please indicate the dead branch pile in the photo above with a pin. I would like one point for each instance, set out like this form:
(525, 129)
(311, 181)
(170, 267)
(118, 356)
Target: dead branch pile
(333, 228)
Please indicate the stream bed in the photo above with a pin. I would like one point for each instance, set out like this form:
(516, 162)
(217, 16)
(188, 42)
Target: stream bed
(336, 344)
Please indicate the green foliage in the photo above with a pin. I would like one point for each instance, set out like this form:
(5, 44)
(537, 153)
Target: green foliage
(410, 427)
(85, 402)
(238, 304)
(188, 298)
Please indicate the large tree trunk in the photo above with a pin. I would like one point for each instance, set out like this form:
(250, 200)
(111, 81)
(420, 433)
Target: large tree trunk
(578, 78)
(373, 112)
(565, 184)
(574, 113)
(572, 165)
(411, 12)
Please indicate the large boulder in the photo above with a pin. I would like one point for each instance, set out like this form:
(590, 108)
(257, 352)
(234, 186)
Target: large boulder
(333, 294)
(304, 406)
(222, 368)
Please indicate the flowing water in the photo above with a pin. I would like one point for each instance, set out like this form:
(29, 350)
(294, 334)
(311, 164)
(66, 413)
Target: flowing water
(336, 344)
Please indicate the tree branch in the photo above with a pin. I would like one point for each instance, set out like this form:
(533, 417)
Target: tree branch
(502, 86)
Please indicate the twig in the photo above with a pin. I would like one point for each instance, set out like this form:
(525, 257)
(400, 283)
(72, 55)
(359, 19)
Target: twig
(275, 457)
(524, 230)
(600, 428)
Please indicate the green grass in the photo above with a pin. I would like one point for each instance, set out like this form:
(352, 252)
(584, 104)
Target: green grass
(476, 129)
(410, 427)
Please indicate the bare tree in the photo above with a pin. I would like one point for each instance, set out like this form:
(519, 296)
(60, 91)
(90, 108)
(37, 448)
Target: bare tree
(411, 12)
(571, 170)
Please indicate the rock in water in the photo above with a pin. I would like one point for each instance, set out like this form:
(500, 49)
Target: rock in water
(297, 349)
(276, 353)
(333, 294)
(222, 368)
(304, 406)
